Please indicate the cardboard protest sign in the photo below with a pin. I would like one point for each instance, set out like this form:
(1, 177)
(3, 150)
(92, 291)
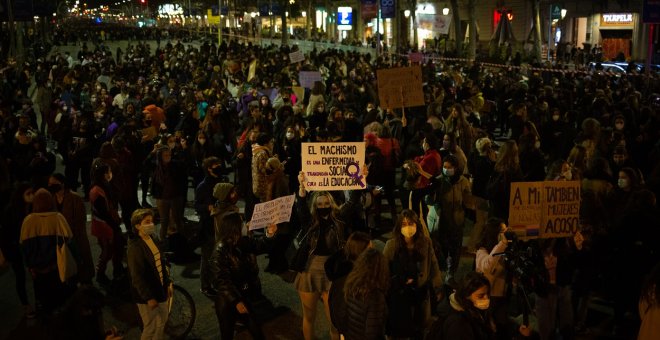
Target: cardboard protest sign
(400, 87)
(272, 212)
(299, 92)
(307, 78)
(333, 166)
(544, 209)
(252, 71)
(149, 133)
(296, 57)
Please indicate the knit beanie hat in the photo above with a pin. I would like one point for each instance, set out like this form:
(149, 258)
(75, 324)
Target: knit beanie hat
(43, 201)
(221, 190)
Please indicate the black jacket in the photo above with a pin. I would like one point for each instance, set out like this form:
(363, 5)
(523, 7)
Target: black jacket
(366, 317)
(332, 233)
(235, 271)
(145, 281)
(461, 324)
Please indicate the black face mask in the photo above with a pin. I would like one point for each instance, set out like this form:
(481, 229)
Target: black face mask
(55, 188)
(324, 212)
(217, 171)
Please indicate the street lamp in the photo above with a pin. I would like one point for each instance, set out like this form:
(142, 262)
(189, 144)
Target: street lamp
(445, 10)
(406, 13)
(563, 12)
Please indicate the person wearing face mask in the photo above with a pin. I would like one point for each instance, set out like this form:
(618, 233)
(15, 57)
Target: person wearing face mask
(325, 236)
(415, 278)
(105, 221)
(151, 286)
(553, 133)
(428, 165)
(236, 275)
(468, 316)
(446, 219)
(532, 163)
(72, 207)
(204, 202)
(288, 150)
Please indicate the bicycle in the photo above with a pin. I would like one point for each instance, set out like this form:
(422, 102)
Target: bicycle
(182, 313)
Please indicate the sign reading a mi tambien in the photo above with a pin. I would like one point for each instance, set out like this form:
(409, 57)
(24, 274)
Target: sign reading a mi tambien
(544, 209)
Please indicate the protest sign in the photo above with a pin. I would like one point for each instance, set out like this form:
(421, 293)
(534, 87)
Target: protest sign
(544, 209)
(299, 92)
(296, 57)
(252, 71)
(307, 78)
(149, 133)
(272, 212)
(333, 166)
(400, 87)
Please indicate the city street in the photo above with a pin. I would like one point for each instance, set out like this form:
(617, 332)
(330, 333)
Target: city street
(282, 319)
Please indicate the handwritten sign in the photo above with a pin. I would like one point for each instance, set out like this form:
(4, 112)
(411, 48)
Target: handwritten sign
(400, 87)
(545, 209)
(307, 78)
(333, 166)
(272, 212)
(296, 57)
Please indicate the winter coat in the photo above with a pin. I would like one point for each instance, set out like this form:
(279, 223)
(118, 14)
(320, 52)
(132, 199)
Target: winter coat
(366, 317)
(234, 269)
(329, 230)
(462, 324)
(40, 235)
(145, 280)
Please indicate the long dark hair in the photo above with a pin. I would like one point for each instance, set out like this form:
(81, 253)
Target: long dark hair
(230, 233)
(419, 239)
(357, 242)
(470, 283)
(370, 273)
(490, 233)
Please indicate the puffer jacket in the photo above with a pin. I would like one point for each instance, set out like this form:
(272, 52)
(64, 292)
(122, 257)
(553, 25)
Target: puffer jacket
(234, 269)
(366, 317)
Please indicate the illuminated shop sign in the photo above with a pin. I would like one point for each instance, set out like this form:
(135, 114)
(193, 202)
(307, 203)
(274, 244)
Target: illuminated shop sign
(616, 19)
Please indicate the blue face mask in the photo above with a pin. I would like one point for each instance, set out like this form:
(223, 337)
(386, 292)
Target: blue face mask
(448, 172)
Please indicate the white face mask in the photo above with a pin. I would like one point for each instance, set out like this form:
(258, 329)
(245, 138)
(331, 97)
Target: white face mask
(408, 232)
(482, 304)
(555, 117)
(148, 229)
(289, 135)
(623, 183)
(448, 172)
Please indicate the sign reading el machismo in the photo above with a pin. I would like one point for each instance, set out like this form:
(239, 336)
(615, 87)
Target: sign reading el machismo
(545, 209)
(333, 166)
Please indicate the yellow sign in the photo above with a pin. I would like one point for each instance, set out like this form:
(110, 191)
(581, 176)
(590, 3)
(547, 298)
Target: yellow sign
(333, 166)
(545, 209)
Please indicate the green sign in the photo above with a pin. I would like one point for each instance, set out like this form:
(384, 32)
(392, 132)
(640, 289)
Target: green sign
(555, 12)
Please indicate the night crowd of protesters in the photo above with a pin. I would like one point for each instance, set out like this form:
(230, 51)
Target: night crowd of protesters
(139, 132)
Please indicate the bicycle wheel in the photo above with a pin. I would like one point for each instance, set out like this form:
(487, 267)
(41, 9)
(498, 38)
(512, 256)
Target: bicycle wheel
(182, 314)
